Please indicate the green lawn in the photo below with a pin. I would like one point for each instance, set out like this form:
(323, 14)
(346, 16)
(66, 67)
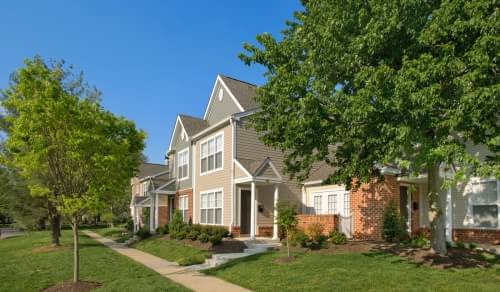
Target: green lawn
(118, 233)
(172, 250)
(352, 272)
(25, 265)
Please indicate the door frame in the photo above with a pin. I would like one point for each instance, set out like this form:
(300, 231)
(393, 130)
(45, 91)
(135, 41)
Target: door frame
(408, 204)
(239, 205)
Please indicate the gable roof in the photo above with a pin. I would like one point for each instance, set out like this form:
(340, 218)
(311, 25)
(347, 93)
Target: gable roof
(151, 169)
(244, 92)
(241, 92)
(193, 125)
(256, 168)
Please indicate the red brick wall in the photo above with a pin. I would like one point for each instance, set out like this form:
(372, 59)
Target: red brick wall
(476, 235)
(236, 231)
(162, 215)
(415, 217)
(189, 193)
(368, 203)
(265, 231)
(327, 222)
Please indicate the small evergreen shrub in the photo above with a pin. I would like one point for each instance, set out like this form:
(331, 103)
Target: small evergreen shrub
(215, 239)
(181, 235)
(419, 241)
(393, 229)
(449, 245)
(130, 224)
(193, 234)
(460, 244)
(472, 246)
(163, 229)
(338, 237)
(143, 233)
(176, 225)
(203, 237)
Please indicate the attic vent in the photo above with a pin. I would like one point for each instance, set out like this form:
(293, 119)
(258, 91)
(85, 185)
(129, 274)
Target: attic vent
(221, 94)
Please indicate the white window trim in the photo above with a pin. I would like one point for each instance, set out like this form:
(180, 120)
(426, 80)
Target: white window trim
(320, 196)
(220, 133)
(186, 207)
(187, 162)
(340, 197)
(470, 204)
(221, 190)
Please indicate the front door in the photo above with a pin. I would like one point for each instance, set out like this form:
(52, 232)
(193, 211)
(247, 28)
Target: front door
(245, 211)
(404, 205)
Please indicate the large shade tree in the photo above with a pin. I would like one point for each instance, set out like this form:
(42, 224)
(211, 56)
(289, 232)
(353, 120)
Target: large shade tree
(67, 147)
(410, 83)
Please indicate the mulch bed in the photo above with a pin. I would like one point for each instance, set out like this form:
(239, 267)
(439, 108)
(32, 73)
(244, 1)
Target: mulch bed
(82, 286)
(456, 257)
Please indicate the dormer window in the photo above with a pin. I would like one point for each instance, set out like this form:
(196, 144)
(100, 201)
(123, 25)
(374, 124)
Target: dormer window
(182, 164)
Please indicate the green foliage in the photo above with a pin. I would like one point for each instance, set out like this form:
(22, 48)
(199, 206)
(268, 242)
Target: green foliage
(338, 237)
(419, 241)
(393, 228)
(215, 239)
(180, 235)
(460, 244)
(449, 245)
(204, 237)
(163, 229)
(191, 260)
(472, 246)
(286, 219)
(143, 233)
(299, 237)
(176, 225)
(193, 234)
(316, 237)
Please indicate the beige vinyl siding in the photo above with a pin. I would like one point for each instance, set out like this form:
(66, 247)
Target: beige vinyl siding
(179, 145)
(219, 110)
(238, 172)
(265, 198)
(267, 172)
(215, 180)
(249, 146)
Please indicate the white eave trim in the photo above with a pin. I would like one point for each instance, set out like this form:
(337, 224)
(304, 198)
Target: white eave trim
(242, 168)
(153, 176)
(219, 79)
(177, 121)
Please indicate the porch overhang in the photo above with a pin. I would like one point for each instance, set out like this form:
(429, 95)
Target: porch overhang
(167, 188)
(141, 202)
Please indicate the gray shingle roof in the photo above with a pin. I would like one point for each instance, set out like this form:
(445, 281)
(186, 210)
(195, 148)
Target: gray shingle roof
(320, 172)
(193, 125)
(149, 169)
(243, 91)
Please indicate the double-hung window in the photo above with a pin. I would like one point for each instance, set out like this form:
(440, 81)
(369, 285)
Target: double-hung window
(211, 154)
(332, 204)
(317, 204)
(183, 164)
(211, 208)
(184, 207)
(484, 202)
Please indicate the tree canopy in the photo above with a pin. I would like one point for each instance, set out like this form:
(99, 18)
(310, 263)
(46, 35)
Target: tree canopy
(67, 147)
(358, 84)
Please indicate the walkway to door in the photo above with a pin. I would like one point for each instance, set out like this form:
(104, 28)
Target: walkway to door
(182, 275)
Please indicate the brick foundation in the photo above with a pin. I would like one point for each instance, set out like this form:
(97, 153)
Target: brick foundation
(236, 231)
(476, 235)
(327, 222)
(265, 231)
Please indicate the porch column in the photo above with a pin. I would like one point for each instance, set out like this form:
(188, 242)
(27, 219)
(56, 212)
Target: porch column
(275, 215)
(252, 212)
(156, 210)
(151, 214)
(449, 213)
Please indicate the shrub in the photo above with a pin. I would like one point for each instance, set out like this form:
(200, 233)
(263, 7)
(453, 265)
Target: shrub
(299, 237)
(460, 244)
(130, 224)
(315, 232)
(193, 234)
(472, 246)
(177, 223)
(393, 226)
(143, 233)
(215, 239)
(449, 245)
(419, 241)
(203, 237)
(163, 229)
(181, 235)
(338, 237)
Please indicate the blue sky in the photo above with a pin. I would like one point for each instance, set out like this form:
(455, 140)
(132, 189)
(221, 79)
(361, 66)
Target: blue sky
(151, 59)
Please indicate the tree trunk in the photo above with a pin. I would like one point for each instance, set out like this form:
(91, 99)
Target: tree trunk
(55, 225)
(437, 204)
(287, 244)
(76, 253)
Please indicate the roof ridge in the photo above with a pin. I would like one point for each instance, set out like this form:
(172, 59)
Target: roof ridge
(193, 117)
(239, 80)
(154, 163)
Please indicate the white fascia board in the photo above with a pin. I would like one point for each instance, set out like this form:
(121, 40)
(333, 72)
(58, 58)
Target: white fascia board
(212, 94)
(177, 122)
(210, 129)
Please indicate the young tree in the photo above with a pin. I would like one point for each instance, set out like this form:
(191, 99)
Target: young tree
(286, 220)
(65, 144)
(361, 83)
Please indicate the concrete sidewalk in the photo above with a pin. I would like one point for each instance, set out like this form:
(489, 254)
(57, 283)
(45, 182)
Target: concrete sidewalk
(182, 275)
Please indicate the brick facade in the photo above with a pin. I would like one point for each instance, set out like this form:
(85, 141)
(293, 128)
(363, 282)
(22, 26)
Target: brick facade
(327, 222)
(189, 194)
(476, 235)
(265, 231)
(236, 231)
(368, 203)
